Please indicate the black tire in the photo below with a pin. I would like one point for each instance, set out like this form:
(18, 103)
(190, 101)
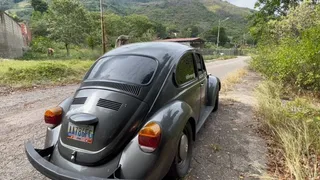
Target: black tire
(180, 169)
(216, 104)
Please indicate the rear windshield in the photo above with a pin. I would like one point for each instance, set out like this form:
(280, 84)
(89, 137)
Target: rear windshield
(133, 69)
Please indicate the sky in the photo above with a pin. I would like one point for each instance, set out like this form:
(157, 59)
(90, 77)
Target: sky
(243, 3)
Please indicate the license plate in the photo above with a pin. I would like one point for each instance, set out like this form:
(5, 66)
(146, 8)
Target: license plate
(83, 133)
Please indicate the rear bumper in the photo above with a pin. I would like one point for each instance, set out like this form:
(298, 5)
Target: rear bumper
(38, 160)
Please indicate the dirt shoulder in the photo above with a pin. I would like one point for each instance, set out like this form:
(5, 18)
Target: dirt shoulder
(228, 146)
(21, 120)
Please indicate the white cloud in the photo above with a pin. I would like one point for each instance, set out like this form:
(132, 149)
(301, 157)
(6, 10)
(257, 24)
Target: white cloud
(244, 3)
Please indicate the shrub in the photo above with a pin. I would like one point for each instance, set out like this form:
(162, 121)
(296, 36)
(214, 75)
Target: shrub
(41, 44)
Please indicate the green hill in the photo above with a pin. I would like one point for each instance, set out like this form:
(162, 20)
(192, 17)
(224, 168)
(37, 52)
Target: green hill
(178, 14)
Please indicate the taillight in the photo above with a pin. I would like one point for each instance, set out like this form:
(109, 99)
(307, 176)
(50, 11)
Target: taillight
(149, 137)
(53, 116)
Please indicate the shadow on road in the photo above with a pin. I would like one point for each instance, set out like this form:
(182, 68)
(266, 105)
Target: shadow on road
(227, 146)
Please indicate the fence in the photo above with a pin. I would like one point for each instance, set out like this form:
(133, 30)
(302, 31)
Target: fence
(227, 52)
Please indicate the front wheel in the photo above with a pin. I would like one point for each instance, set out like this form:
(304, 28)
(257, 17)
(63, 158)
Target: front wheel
(182, 160)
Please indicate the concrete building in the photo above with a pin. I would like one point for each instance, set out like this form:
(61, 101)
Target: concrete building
(194, 42)
(11, 38)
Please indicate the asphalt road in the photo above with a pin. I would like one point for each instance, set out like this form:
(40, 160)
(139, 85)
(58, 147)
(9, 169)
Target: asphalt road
(21, 120)
(222, 68)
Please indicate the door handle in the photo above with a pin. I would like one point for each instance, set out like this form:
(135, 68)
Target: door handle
(201, 84)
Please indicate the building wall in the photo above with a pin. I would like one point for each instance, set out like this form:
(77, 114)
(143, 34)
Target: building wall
(26, 34)
(11, 40)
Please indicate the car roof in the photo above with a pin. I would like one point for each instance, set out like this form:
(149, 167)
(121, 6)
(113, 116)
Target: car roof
(158, 50)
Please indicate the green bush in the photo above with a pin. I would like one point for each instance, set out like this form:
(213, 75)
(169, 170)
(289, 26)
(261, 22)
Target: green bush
(294, 62)
(41, 44)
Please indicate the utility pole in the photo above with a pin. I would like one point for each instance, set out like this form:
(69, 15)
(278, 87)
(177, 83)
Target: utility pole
(103, 30)
(218, 37)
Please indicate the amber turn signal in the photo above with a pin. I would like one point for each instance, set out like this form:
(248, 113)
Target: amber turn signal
(53, 116)
(149, 137)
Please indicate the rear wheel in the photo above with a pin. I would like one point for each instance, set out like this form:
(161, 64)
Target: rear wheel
(182, 160)
(216, 104)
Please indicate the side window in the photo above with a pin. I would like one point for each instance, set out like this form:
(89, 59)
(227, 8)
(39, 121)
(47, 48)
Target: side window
(199, 64)
(185, 69)
(202, 62)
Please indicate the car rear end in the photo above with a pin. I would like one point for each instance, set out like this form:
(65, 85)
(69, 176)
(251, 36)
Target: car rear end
(101, 130)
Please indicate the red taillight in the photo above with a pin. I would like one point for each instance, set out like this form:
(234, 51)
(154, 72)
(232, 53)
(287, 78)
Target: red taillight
(53, 116)
(149, 137)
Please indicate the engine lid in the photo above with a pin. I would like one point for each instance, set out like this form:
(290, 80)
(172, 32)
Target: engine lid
(97, 127)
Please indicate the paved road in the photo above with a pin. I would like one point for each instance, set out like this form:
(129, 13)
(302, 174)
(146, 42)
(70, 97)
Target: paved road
(222, 68)
(21, 115)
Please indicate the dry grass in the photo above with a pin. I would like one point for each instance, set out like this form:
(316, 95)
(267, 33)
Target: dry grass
(295, 127)
(232, 79)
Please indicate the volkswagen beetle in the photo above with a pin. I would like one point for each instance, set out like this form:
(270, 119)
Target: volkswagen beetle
(134, 116)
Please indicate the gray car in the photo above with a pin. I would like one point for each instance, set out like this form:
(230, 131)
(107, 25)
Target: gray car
(134, 116)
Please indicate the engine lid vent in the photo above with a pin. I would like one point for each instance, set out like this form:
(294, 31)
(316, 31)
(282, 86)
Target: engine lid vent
(109, 104)
(124, 87)
(80, 100)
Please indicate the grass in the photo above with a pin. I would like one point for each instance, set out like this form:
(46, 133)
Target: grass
(295, 127)
(215, 147)
(216, 57)
(232, 79)
(14, 73)
(61, 54)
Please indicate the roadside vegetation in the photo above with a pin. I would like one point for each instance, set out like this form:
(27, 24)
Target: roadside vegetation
(48, 72)
(294, 124)
(232, 79)
(289, 57)
(217, 57)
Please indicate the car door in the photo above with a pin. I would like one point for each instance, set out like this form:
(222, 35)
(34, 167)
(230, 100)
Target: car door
(188, 85)
(202, 74)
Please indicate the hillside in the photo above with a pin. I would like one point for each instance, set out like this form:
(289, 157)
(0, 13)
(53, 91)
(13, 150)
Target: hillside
(202, 13)
(178, 14)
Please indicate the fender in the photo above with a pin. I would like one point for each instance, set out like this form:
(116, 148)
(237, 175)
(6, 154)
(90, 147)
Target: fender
(214, 86)
(172, 119)
(52, 134)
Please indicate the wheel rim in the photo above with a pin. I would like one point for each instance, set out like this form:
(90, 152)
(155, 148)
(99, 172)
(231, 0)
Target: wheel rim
(183, 148)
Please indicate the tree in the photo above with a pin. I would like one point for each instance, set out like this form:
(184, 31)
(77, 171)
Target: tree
(94, 35)
(138, 24)
(160, 30)
(38, 24)
(190, 31)
(211, 35)
(39, 5)
(270, 10)
(67, 22)
(115, 25)
(195, 31)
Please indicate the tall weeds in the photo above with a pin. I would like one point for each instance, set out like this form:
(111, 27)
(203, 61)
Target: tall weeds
(295, 125)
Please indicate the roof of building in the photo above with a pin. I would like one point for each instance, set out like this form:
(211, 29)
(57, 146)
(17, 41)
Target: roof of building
(181, 39)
